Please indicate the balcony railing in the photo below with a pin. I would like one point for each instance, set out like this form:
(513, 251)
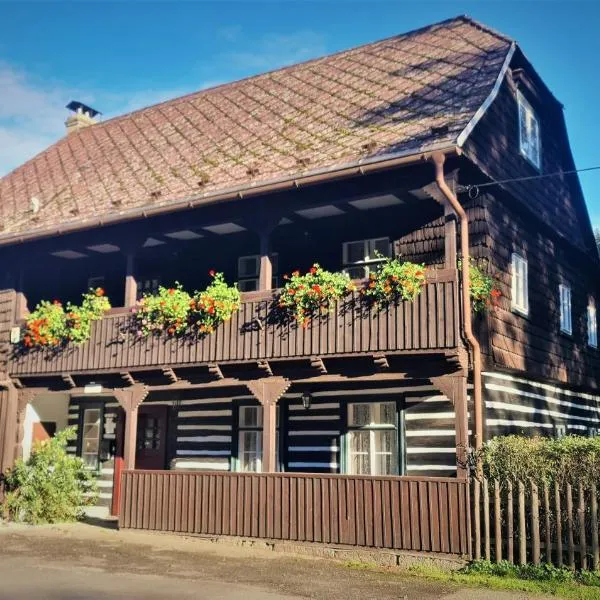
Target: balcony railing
(429, 324)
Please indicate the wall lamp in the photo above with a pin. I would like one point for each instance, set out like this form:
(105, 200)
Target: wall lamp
(306, 400)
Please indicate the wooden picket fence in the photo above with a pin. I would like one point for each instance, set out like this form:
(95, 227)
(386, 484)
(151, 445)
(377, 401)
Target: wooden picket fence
(523, 523)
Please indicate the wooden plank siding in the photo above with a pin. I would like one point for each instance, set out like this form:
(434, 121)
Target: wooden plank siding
(252, 334)
(400, 513)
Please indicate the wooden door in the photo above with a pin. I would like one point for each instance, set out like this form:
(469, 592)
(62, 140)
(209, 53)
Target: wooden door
(151, 449)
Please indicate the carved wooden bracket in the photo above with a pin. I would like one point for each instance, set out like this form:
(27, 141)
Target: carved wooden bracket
(131, 398)
(68, 379)
(170, 375)
(265, 366)
(316, 362)
(215, 370)
(451, 386)
(381, 361)
(269, 390)
(127, 377)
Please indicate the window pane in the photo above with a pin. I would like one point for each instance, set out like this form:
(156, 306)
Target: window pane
(355, 251)
(386, 453)
(250, 451)
(387, 413)
(250, 416)
(359, 452)
(379, 246)
(360, 415)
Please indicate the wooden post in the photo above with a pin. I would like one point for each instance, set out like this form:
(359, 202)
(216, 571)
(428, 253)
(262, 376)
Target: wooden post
(449, 236)
(571, 544)
(486, 520)
(535, 524)
(594, 519)
(477, 517)
(510, 524)
(454, 387)
(130, 399)
(583, 562)
(130, 280)
(265, 280)
(522, 529)
(547, 529)
(497, 522)
(558, 520)
(268, 391)
(8, 426)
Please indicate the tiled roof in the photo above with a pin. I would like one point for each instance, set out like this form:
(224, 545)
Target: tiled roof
(397, 95)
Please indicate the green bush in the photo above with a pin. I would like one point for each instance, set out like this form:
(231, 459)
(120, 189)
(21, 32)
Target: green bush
(571, 459)
(51, 486)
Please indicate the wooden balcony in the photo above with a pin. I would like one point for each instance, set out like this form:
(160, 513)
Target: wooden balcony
(430, 324)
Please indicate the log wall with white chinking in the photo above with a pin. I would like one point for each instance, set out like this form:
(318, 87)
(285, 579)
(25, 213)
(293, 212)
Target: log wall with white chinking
(517, 405)
(203, 426)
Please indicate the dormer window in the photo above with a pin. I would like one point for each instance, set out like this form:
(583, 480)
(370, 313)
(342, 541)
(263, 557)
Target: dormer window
(529, 132)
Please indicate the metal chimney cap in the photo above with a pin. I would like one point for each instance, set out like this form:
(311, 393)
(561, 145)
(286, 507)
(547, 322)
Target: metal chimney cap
(77, 106)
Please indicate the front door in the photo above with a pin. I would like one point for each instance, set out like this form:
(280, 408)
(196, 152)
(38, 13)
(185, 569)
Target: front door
(151, 438)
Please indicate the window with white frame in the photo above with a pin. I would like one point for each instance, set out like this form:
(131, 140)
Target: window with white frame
(560, 431)
(362, 256)
(564, 292)
(250, 437)
(372, 439)
(529, 132)
(592, 324)
(249, 272)
(520, 293)
(90, 437)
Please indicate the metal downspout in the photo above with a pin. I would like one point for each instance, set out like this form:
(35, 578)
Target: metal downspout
(439, 160)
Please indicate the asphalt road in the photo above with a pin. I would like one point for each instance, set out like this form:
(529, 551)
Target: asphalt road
(83, 562)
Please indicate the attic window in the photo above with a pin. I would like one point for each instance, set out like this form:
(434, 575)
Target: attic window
(529, 132)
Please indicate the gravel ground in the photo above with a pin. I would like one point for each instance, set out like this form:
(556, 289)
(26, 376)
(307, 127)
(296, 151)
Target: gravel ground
(83, 561)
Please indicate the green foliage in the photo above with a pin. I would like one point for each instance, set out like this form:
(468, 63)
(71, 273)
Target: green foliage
(215, 304)
(483, 290)
(51, 486)
(395, 280)
(543, 572)
(174, 311)
(50, 325)
(514, 458)
(314, 293)
(168, 310)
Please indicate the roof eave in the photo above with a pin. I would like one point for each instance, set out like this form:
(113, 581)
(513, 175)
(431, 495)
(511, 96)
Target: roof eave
(359, 167)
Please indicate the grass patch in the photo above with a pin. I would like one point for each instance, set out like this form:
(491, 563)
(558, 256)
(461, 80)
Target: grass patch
(545, 579)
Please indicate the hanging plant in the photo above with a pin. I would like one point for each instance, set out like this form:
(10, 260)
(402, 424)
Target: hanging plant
(167, 311)
(215, 305)
(50, 325)
(395, 280)
(314, 293)
(483, 290)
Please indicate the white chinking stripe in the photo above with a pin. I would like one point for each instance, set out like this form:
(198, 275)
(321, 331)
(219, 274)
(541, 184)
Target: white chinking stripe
(310, 417)
(431, 468)
(319, 465)
(547, 399)
(541, 386)
(206, 427)
(203, 452)
(313, 448)
(209, 466)
(325, 405)
(516, 423)
(425, 416)
(205, 438)
(537, 411)
(204, 413)
(316, 433)
(432, 433)
(431, 451)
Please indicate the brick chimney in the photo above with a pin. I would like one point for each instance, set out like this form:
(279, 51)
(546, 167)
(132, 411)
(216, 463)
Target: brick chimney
(82, 116)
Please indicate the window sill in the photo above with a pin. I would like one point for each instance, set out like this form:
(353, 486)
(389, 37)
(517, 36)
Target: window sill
(519, 311)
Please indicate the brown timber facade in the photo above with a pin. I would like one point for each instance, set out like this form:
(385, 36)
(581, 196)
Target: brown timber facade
(353, 430)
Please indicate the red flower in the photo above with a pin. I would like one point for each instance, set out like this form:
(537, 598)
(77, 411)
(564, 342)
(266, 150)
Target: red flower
(57, 303)
(295, 273)
(99, 292)
(212, 273)
(171, 330)
(496, 293)
(316, 288)
(211, 310)
(291, 291)
(171, 291)
(313, 270)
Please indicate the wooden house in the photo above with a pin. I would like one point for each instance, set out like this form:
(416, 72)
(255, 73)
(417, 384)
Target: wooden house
(355, 429)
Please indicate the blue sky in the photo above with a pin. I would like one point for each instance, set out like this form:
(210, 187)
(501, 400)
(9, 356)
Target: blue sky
(124, 55)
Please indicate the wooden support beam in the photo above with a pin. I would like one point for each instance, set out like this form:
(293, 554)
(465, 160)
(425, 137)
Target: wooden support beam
(264, 365)
(455, 389)
(66, 377)
(268, 391)
(215, 370)
(130, 298)
(265, 279)
(316, 362)
(450, 255)
(381, 361)
(130, 399)
(170, 375)
(127, 377)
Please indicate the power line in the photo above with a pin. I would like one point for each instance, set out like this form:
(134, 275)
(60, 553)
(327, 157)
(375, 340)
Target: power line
(473, 189)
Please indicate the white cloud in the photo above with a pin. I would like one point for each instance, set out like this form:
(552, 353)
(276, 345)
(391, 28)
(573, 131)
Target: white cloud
(277, 50)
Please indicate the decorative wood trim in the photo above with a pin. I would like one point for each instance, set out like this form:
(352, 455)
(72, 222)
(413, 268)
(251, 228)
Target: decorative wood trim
(127, 377)
(381, 361)
(170, 375)
(268, 390)
(316, 362)
(68, 379)
(131, 398)
(215, 370)
(266, 367)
